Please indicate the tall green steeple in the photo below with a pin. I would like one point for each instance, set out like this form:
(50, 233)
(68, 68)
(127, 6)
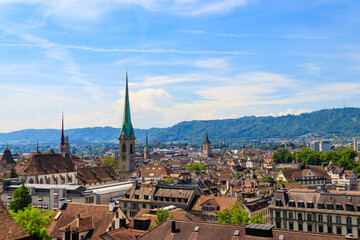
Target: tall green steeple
(146, 141)
(127, 128)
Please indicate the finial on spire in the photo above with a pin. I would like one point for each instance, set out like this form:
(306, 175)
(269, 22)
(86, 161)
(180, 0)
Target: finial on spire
(37, 145)
(7, 146)
(126, 71)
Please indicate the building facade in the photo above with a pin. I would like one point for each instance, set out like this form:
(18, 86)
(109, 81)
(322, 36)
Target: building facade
(126, 141)
(335, 212)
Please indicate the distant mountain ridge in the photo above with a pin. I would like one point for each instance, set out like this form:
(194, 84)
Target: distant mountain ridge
(341, 122)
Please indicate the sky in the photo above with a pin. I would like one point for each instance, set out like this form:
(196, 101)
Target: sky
(187, 60)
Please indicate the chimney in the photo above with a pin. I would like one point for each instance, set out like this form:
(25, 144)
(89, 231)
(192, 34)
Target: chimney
(173, 226)
(61, 203)
(78, 220)
(111, 205)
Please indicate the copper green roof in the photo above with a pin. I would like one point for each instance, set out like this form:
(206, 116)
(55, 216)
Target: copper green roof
(146, 141)
(127, 128)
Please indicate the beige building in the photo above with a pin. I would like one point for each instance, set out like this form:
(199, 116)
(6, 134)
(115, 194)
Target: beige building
(313, 211)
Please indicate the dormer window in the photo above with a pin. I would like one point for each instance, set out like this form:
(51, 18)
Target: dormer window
(278, 203)
(321, 206)
(329, 206)
(300, 204)
(339, 207)
(309, 205)
(292, 203)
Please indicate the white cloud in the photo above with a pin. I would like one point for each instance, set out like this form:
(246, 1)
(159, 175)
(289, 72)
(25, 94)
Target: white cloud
(310, 68)
(213, 63)
(292, 112)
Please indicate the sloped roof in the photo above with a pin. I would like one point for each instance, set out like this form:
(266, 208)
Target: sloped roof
(7, 157)
(47, 163)
(117, 234)
(79, 225)
(9, 229)
(292, 173)
(221, 202)
(101, 217)
(154, 172)
(96, 174)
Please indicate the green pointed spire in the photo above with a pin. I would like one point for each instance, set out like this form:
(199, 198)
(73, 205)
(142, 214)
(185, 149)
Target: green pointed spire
(146, 141)
(127, 128)
(207, 141)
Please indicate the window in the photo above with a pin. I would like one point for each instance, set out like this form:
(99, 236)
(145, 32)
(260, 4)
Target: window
(339, 207)
(291, 216)
(278, 224)
(277, 214)
(291, 226)
(309, 228)
(321, 206)
(338, 230)
(125, 204)
(300, 227)
(300, 204)
(309, 205)
(358, 221)
(321, 228)
(291, 203)
(338, 219)
(358, 208)
(348, 220)
(350, 208)
(329, 206)
(309, 217)
(144, 205)
(278, 203)
(349, 230)
(300, 216)
(131, 148)
(123, 148)
(320, 218)
(330, 229)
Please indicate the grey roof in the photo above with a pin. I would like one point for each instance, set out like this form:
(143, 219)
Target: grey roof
(7, 157)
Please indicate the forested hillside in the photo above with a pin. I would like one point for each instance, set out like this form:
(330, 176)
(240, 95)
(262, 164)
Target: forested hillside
(341, 122)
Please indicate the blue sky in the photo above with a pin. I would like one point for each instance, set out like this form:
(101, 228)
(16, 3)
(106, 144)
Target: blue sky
(187, 60)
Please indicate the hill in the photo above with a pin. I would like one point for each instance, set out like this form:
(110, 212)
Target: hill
(340, 122)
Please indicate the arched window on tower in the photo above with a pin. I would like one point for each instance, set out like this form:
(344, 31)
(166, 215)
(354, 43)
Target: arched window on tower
(123, 148)
(31, 180)
(41, 181)
(131, 148)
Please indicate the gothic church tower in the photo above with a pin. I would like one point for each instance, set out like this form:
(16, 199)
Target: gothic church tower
(126, 141)
(64, 142)
(207, 147)
(146, 149)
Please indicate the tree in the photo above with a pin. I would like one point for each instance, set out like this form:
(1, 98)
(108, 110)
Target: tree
(282, 156)
(257, 218)
(21, 198)
(110, 161)
(169, 179)
(34, 221)
(234, 215)
(13, 174)
(161, 215)
(196, 166)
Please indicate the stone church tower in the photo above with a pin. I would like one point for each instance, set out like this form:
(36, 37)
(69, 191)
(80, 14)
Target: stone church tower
(64, 142)
(126, 141)
(207, 147)
(146, 149)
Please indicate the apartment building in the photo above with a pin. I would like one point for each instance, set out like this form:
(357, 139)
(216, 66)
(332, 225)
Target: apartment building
(336, 212)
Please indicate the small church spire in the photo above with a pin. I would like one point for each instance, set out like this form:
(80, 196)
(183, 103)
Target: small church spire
(146, 140)
(37, 145)
(62, 129)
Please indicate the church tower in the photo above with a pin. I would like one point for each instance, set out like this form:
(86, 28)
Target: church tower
(207, 147)
(126, 141)
(146, 149)
(64, 142)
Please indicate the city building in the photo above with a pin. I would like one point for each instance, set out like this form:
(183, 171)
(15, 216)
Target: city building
(47, 196)
(126, 141)
(75, 221)
(88, 176)
(342, 178)
(157, 196)
(356, 145)
(7, 161)
(314, 211)
(180, 229)
(207, 147)
(309, 176)
(49, 168)
(325, 146)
